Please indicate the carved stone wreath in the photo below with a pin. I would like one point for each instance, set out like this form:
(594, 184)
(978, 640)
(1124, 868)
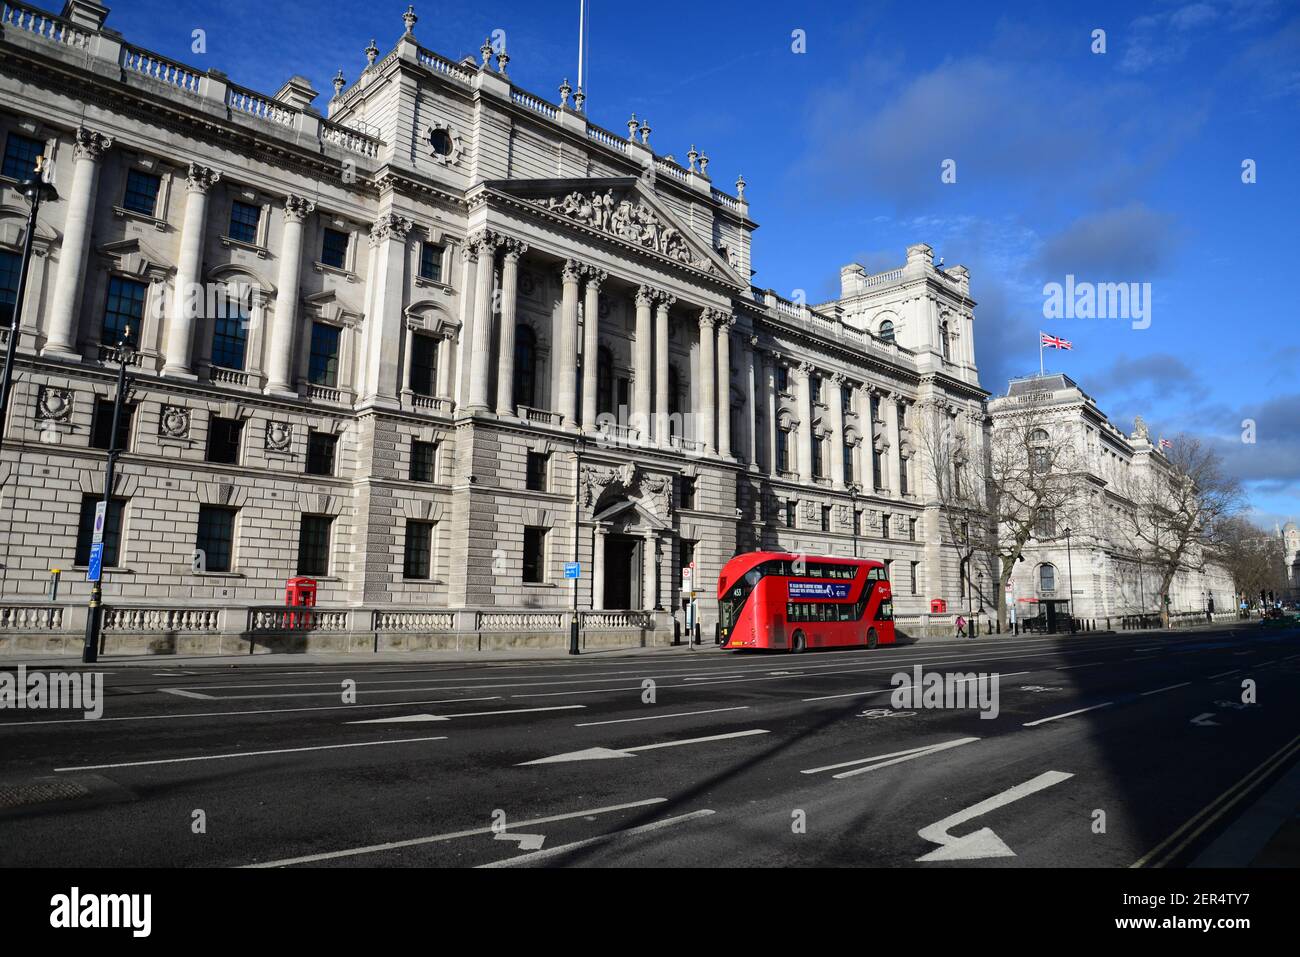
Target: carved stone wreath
(53, 404)
(174, 423)
(633, 222)
(278, 436)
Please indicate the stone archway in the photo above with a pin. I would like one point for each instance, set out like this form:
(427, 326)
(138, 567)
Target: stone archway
(629, 545)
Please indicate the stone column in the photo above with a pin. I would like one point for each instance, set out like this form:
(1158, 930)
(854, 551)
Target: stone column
(188, 293)
(481, 349)
(591, 348)
(894, 458)
(642, 361)
(866, 446)
(708, 390)
(513, 250)
(773, 405)
(279, 364)
(725, 322)
(837, 430)
(566, 353)
(598, 568)
(803, 408)
(649, 572)
(61, 335)
(469, 267)
(385, 331)
(751, 400)
(444, 388)
(661, 429)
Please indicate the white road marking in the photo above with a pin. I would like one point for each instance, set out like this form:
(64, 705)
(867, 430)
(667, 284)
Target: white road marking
(982, 843)
(186, 694)
(527, 842)
(436, 838)
(246, 754)
(596, 754)
(656, 717)
(1167, 688)
(884, 760)
(467, 714)
(713, 678)
(1068, 714)
(860, 694)
(236, 714)
(600, 839)
(1205, 720)
(1225, 674)
(1091, 664)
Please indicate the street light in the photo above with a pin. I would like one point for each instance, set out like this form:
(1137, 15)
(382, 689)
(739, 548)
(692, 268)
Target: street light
(853, 496)
(94, 619)
(577, 516)
(35, 189)
(1069, 564)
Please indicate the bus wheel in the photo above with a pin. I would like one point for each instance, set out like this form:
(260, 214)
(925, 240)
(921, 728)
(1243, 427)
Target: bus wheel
(796, 643)
(872, 639)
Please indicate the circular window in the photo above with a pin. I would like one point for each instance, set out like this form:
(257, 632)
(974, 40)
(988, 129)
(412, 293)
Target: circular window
(441, 142)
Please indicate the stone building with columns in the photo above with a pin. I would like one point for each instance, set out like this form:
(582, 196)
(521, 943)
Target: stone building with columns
(425, 345)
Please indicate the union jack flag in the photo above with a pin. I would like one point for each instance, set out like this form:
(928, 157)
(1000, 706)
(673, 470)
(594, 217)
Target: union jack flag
(1165, 443)
(1055, 342)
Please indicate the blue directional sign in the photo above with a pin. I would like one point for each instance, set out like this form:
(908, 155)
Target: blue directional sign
(96, 562)
(572, 570)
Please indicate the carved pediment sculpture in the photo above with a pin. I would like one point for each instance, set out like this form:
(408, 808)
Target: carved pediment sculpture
(629, 219)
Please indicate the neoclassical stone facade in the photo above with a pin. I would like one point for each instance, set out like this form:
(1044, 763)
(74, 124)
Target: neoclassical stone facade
(426, 348)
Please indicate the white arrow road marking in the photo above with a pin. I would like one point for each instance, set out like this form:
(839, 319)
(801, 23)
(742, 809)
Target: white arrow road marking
(601, 839)
(884, 760)
(401, 719)
(527, 842)
(1204, 720)
(595, 754)
(982, 843)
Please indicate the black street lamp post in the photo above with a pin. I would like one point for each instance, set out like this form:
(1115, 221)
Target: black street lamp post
(35, 189)
(1069, 564)
(94, 619)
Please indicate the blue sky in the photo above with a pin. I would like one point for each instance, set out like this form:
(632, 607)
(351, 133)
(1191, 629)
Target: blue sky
(1115, 167)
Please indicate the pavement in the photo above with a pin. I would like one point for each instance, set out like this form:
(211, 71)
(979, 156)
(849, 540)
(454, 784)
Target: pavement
(1107, 750)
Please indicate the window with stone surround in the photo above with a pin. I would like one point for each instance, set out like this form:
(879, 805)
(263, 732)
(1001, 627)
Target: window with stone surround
(125, 307)
(904, 465)
(848, 466)
(826, 518)
(417, 559)
(791, 513)
(216, 537)
(101, 429)
(244, 220)
(431, 261)
(141, 194)
(224, 440)
(819, 457)
(20, 156)
(782, 379)
(884, 525)
(915, 566)
(686, 492)
(10, 267)
(877, 470)
(314, 544)
(230, 336)
(424, 364)
(911, 529)
(857, 521)
(321, 447)
(534, 570)
(112, 530)
(323, 364)
(783, 450)
(525, 384)
(424, 461)
(537, 468)
(334, 248)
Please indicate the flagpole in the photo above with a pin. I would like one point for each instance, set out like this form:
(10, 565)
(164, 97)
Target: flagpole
(1041, 373)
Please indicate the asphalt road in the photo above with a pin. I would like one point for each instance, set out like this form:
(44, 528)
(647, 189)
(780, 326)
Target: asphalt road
(1106, 751)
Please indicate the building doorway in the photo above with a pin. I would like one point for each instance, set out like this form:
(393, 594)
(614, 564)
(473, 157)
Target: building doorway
(623, 566)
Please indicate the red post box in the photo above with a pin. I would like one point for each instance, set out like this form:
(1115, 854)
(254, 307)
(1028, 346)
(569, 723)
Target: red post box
(299, 592)
(938, 606)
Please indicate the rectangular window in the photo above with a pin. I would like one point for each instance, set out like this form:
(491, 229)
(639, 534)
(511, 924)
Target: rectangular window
(537, 469)
(791, 508)
(230, 337)
(112, 530)
(10, 267)
(857, 521)
(244, 220)
(534, 555)
(417, 561)
(914, 577)
(314, 545)
(216, 537)
(323, 366)
(911, 529)
(826, 518)
(884, 525)
(223, 440)
(125, 307)
(334, 249)
(846, 399)
(815, 387)
(902, 475)
(431, 261)
(20, 156)
(782, 379)
(877, 473)
(424, 461)
(142, 192)
(686, 554)
(686, 491)
(424, 364)
(819, 459)
(1045, 527)
(848, 466)
(782, 450)
(320, 453)
(101, 430)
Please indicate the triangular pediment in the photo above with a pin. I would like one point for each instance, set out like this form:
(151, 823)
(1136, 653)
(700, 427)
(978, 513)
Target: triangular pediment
(135, 257)
(640, 515)
(625, 209)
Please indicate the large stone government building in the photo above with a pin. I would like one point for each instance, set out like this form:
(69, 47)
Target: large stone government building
(425, 345)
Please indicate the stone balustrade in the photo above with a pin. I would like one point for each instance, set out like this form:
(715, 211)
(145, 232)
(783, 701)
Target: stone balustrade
(31, 618)
(137, 60)
(45, 25)
(151, 620)
(606, 138)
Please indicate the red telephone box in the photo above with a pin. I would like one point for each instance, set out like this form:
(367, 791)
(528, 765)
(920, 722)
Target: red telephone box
(299, 592)
(938, 606)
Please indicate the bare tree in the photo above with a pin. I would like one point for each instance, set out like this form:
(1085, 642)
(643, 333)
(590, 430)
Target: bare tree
(1181, 502)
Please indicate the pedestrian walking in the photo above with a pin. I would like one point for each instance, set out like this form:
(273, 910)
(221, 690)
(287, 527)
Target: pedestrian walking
(961, 626)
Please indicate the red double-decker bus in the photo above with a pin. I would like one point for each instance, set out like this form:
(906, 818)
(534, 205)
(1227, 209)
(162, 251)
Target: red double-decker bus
(794, 602)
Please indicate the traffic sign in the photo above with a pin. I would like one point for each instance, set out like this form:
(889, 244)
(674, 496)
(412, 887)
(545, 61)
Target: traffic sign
(96, 566)
(97, 535)
(688, 577)
(572, 570)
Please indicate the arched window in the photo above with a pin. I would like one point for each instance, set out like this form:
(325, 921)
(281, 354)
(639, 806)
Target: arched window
(525, 392)
(945, 345)
(1046, 578)
(887, 331)
(604, 381)
(230, 332)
